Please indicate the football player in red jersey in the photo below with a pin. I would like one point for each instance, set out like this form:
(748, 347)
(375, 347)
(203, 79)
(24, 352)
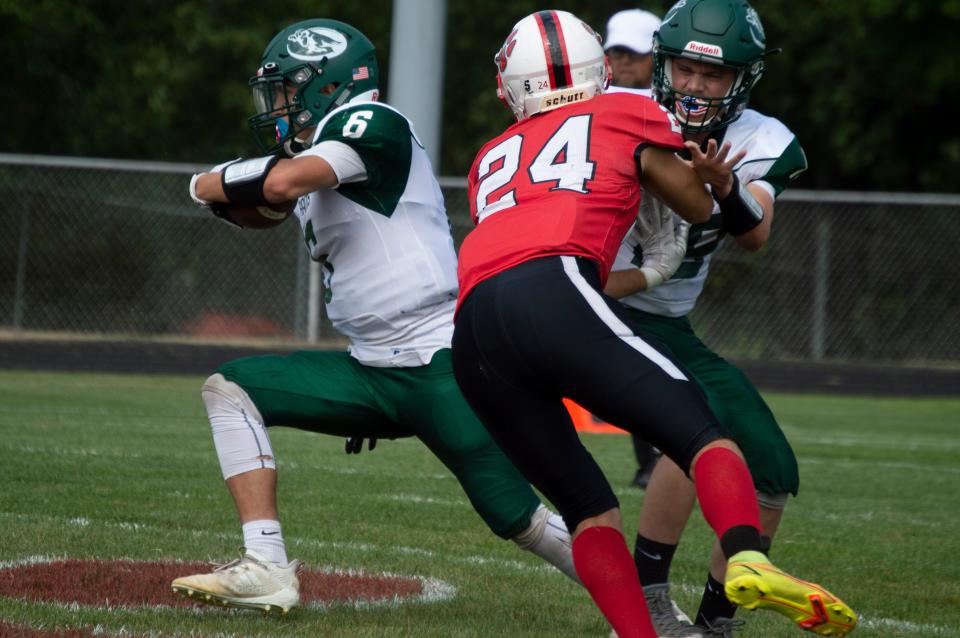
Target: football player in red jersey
(552, 198)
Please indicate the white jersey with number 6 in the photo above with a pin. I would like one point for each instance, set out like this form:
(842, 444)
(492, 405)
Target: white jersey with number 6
(382, 237)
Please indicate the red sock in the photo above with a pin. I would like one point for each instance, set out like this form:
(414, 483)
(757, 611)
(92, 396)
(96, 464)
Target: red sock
(606, 569)
(725, 490)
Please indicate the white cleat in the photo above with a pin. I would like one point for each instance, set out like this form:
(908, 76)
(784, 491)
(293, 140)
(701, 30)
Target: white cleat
(249, 582)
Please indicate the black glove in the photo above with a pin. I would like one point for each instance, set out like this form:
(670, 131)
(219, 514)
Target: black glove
(354, 445)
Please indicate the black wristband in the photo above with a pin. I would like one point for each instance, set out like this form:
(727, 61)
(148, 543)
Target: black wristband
(740, 210)
(243, 181)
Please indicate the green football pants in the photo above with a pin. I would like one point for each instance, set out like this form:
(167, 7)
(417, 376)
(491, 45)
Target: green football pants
(735, 401)
(332, 393)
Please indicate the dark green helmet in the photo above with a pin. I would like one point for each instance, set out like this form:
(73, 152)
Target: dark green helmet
(723, 32)
(290, 89)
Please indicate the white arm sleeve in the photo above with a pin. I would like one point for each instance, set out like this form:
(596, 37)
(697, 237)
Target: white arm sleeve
(344, 161)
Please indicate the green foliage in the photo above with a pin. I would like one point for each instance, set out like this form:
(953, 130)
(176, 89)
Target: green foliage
(867, 86)
(148, 80)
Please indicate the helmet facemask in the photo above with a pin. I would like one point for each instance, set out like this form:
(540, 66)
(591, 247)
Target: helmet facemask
(280, 103)
(722, 33)
(698, 113)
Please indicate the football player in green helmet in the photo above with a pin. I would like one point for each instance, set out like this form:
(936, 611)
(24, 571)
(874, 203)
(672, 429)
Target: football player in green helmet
(307, 70)
(372, 214)
(708, 55)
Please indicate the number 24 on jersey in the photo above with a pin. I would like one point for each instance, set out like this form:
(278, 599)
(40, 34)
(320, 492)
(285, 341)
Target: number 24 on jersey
(563, 160)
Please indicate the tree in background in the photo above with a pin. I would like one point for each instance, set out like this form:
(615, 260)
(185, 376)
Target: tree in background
(866, 85)
(871, 86)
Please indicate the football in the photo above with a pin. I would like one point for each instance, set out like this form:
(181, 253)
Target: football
(258, 217)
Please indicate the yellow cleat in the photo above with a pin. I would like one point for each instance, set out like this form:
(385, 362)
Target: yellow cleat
(754, 582)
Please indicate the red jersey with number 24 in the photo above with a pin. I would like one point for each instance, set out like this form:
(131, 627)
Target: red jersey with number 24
(564, 182)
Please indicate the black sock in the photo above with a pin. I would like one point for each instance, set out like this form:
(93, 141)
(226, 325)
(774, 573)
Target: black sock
(765, 544)
(714, 603)
(741, 538)
(653, 560)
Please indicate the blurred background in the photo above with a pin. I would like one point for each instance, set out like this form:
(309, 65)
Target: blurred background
(110, 105)
(867, 86)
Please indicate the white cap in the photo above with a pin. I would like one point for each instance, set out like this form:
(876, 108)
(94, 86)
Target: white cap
(633, 29)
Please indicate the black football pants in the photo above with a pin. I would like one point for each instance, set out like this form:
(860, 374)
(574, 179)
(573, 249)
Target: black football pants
(541, 331)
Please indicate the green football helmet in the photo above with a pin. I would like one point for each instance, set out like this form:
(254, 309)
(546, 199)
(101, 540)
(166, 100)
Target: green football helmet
(307, 70)
(722, 32)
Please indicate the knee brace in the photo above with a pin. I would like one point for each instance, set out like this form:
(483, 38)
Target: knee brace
(239, 433)
(548, 538)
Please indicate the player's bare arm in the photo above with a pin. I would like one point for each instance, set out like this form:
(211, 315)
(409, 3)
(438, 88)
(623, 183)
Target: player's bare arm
(676, 183)
(755, 239)
(292, 178)
(621, 283)
(287, 180)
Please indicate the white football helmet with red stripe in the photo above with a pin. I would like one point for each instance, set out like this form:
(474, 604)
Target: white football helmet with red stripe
(550, 59)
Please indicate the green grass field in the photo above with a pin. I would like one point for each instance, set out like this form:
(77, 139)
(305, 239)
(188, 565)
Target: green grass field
(111, 466)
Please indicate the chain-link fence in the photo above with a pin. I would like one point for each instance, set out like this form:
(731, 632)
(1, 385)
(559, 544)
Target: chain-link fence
(109, 247)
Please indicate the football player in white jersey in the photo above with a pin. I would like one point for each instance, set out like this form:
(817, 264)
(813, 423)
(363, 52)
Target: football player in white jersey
(708, 54)
(373, 215)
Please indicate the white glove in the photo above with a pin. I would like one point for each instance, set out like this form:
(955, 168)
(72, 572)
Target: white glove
(193, 182)
(663, 240)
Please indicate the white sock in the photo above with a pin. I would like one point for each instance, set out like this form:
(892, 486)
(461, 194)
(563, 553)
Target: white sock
(548, 538)
(265, 538)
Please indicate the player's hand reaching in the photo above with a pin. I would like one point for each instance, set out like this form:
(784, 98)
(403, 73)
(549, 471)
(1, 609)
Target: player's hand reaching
(713, 167)
(354, 444)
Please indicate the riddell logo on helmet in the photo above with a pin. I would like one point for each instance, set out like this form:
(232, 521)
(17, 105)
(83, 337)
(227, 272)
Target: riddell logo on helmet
(704, 49)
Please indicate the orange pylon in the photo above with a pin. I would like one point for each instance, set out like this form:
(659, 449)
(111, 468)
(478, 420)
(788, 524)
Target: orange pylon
(586, 422)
